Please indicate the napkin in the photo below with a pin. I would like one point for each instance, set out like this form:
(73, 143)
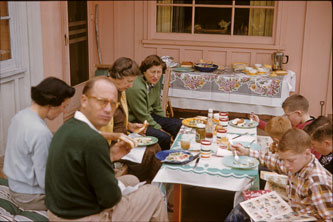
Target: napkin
(135, 155)
(223, 152)
(245, 138)
(129, 189)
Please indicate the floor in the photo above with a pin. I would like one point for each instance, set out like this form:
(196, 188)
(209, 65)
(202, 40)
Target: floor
(199, 204)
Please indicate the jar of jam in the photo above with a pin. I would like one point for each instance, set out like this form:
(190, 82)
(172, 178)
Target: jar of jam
(200, 133)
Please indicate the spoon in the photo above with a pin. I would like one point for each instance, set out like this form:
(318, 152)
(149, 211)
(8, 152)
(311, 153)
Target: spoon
(237, 157)
(249, 146)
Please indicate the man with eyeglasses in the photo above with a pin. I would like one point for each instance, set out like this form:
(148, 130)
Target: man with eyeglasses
(80, 183)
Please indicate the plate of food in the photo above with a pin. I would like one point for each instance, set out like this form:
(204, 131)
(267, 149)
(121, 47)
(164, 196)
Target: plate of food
(174, 156)
(245, 162)
(243, 123)
(192, 122)
(145, 140)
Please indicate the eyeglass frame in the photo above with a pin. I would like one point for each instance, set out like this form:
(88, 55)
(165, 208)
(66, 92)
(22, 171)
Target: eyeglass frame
(104, 102)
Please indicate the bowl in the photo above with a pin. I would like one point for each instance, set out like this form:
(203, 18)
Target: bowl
(205, 67)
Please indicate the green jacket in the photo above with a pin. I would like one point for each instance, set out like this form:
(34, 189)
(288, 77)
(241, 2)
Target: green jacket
(79, 179)
(142, 104)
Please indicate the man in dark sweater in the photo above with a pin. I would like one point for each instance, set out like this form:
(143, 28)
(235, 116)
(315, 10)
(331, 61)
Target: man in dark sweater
(80, 183)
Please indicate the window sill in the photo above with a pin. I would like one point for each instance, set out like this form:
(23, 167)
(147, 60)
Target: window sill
(148, 42)
(12, 72)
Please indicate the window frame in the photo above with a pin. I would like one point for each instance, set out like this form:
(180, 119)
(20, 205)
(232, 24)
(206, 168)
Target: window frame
(9, 63)
(208, 39)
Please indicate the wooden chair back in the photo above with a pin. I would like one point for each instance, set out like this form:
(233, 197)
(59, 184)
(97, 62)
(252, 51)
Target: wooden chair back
(165, 103)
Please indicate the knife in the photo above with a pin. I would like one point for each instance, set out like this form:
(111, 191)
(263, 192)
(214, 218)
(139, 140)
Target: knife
(240, 135)
(196, 163)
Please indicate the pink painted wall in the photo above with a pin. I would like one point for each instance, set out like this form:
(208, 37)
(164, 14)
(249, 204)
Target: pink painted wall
(305, 35)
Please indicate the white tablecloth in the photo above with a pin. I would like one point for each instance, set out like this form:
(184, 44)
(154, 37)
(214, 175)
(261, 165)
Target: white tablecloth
(211, 173)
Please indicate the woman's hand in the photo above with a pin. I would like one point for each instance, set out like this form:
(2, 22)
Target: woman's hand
(240, 149)
(112, 136)
(133, 127)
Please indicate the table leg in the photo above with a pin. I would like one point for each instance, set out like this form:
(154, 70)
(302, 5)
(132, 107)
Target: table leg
(177, 202)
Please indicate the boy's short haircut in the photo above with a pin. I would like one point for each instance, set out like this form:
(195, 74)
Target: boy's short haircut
(322, 133)
(277, 126)
(296, 102)
(295, 140)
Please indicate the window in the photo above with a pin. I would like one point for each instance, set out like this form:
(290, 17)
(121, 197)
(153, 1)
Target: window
(5, 46)
(226, 18)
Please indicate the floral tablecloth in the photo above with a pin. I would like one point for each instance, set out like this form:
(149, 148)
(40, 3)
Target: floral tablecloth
(231, 92)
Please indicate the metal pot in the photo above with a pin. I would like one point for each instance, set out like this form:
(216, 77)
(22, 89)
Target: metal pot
(277, 60)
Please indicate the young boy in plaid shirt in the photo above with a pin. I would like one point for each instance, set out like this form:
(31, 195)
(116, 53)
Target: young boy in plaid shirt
(309, 183)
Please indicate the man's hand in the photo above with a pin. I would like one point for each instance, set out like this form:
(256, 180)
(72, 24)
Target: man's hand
(240, 149)
(254, 117)
(112, 136)
(118, 150)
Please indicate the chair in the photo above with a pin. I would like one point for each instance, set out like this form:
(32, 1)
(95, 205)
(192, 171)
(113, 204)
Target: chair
(102, 69)
(165, 103)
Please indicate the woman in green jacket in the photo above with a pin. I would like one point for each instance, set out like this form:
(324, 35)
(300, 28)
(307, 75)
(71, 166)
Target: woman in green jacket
(144, 102)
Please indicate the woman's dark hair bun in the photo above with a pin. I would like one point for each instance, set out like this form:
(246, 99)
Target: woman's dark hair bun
(51, 91)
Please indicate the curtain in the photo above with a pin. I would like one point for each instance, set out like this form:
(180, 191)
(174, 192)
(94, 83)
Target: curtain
(164, 18)
(261, 20)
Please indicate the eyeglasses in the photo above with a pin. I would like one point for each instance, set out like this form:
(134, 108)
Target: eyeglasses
(104, 102)
(288, 114)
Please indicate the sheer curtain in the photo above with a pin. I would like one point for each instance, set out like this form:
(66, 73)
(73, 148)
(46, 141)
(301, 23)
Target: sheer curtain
(261, 20)
(164, 18)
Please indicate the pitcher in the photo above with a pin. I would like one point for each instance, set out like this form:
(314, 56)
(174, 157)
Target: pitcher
(277, 60)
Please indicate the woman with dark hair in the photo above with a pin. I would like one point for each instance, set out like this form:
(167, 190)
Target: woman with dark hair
(123, 73)
(144, 102)
(28, 142)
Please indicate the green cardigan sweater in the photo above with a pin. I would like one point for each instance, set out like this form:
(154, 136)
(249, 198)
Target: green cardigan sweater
(142, 104)
(79, 180)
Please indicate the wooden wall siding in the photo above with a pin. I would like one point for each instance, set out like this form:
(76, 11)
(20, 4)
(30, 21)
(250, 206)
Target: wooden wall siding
(315, 67)
(12, 100)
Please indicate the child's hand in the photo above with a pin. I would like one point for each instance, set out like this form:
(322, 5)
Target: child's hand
(240, 149)
(254, 117)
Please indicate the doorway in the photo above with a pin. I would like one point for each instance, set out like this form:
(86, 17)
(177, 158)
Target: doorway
(78, 41)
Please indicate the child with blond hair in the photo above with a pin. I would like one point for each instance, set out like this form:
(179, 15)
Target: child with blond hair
(275, 128)
(309, 186)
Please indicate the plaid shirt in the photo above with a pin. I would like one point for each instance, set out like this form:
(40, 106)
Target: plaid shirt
(309, 190)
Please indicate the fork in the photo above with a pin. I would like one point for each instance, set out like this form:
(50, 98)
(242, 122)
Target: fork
(240, 135)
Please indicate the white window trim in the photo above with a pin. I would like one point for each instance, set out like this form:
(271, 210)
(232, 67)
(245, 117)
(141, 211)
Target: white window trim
(212, 39)
(26, 42)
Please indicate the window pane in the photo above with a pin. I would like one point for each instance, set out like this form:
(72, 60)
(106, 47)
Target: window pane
(3, 8)
(174, 19)
(254, 22)
(175, 1)
(212, 20)
(212, 2)
(4, 40)
(253, 3)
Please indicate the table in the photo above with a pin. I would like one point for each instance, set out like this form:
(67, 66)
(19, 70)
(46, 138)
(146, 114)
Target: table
(231, 92)
(210, 173)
